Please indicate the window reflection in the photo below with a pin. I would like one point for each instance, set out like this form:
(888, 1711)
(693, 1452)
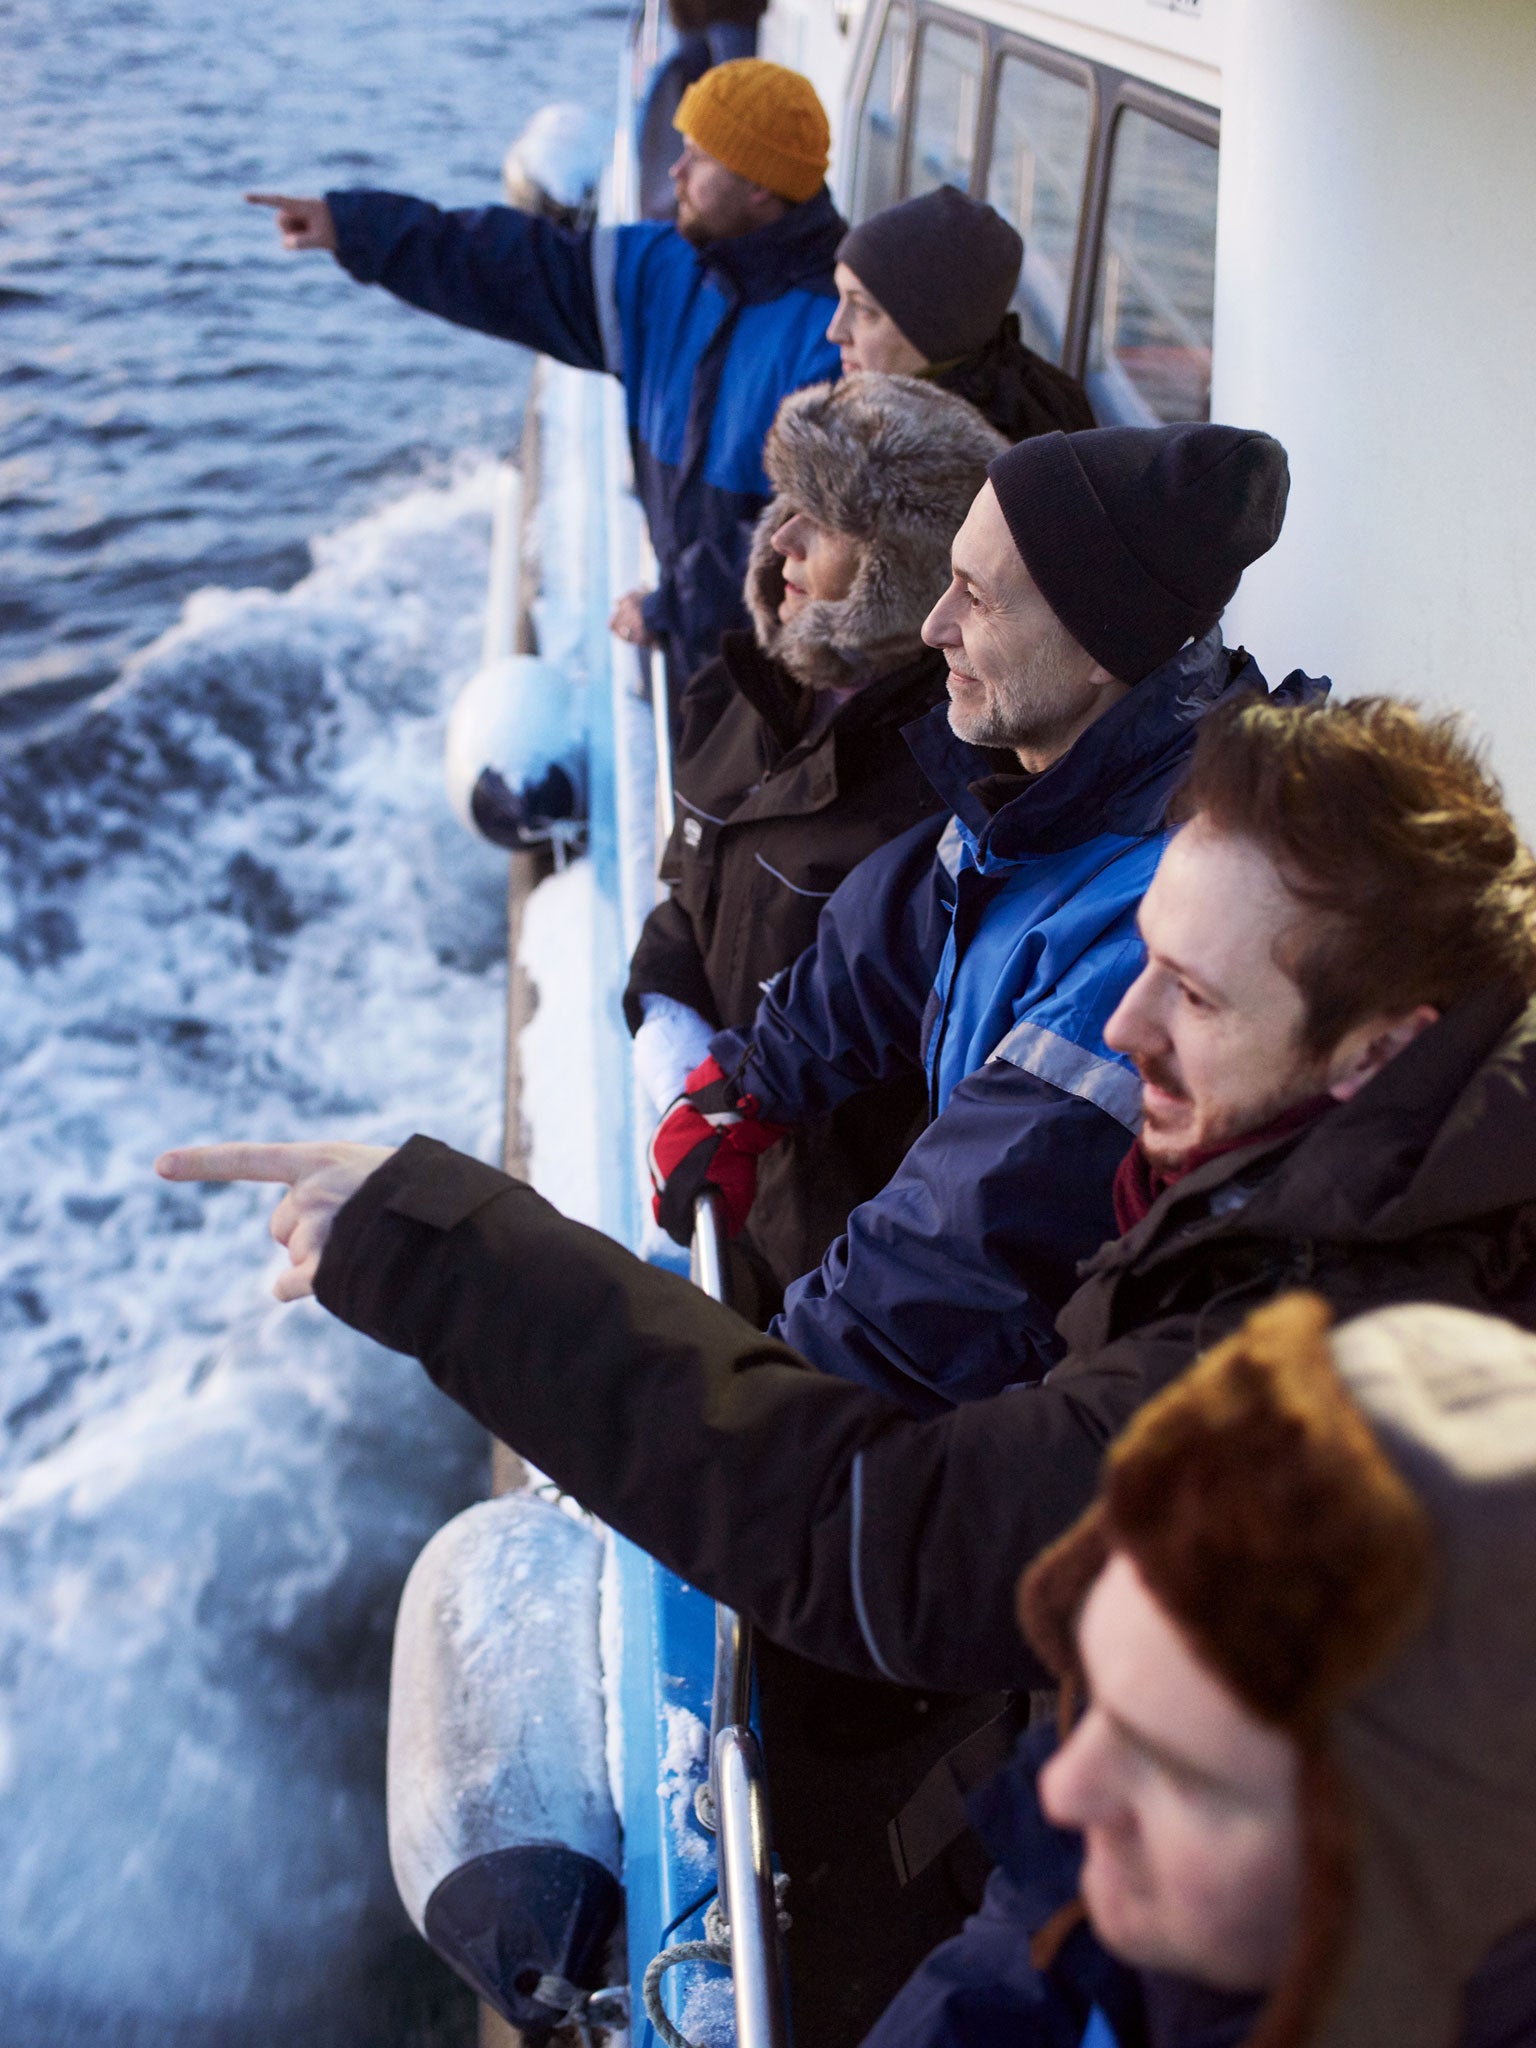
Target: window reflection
(1149, 352)
(1039, 155)
(948, 97)
(880, 124)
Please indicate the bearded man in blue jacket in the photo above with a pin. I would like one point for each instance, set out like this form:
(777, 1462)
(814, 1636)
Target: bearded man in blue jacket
(989, 949)
(709, 323)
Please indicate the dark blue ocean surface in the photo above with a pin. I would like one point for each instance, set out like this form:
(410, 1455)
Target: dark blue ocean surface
(180, 402)
(244, 521)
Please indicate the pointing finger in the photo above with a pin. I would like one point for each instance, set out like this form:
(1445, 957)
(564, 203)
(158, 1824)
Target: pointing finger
(270, 199)
(241, 1162)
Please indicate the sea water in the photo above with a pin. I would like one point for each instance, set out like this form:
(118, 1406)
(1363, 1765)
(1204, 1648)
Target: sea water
(244, 516)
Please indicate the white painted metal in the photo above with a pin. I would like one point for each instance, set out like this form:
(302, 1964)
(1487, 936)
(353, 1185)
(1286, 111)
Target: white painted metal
(1376, 309)
(506, 543)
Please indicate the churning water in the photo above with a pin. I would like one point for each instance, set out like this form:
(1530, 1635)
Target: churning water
(244, 511)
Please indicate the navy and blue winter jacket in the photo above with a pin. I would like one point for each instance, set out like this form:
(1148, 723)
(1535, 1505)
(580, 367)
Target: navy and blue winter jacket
(706, 341)
(991, 950)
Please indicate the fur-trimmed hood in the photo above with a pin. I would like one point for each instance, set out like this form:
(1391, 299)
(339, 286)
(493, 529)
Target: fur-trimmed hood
(1343, 1524)
(895, 462)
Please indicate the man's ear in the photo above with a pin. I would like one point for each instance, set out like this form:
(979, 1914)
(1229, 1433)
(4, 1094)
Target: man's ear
(1361, 1054)
(766, 205)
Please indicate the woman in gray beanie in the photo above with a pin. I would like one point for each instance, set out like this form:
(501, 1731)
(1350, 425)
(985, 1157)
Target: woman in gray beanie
(791, 766)
(924, 289)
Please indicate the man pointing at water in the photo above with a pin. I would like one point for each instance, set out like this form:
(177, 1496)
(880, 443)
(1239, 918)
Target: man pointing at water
(708, 323)
(1322, 1102)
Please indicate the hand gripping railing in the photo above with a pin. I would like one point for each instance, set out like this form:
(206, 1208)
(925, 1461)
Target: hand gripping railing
(735, 1800)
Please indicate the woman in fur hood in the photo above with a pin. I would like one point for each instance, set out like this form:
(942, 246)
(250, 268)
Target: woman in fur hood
(791, 767)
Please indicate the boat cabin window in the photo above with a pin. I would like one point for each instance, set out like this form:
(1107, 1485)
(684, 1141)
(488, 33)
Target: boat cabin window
(878, 181)
(1149, 347)
(947, 100)
(1040, 137)
(1108, 176)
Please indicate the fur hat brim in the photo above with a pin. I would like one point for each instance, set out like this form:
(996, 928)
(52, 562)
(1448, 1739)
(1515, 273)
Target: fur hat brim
(894, 463)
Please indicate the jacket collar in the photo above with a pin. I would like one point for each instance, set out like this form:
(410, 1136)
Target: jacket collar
(796, 251)
(1116, 778)
(780, 700)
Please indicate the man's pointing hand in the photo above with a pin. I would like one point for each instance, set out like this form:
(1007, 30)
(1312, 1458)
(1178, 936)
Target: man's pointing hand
(302, 223)
(321, 1179)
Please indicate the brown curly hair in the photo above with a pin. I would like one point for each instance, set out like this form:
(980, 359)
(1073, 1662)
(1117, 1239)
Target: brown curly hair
(1383, 821)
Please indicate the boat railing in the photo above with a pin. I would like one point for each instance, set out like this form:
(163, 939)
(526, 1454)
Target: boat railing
(733, 1801)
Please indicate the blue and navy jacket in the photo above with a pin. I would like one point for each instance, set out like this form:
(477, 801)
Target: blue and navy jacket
(991, 950)
(706, 342)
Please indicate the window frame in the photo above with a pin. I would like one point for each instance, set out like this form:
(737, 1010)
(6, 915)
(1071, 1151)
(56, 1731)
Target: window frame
(1062, 64)
(975, 31)
(1110, 91)
(1134, 95)
(877, 20)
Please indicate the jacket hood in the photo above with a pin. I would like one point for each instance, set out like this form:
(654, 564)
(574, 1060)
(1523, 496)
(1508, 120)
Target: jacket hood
(1343, 1526)
(895, 463)
(796, 251)
(1020, 392)
(1439, 1751)
(1118, 777)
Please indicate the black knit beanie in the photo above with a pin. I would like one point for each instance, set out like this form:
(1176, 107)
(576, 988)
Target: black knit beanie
(943, 266)
(1138, 536)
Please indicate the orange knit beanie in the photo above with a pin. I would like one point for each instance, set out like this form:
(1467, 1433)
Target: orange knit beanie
(762, 122)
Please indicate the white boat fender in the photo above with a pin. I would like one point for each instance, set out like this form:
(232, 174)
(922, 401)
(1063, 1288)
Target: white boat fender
(502, 1834)
(556, 165)
(515, 752)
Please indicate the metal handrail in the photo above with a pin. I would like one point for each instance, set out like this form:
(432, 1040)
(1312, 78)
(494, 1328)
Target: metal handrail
(706, 1255)
(746, 1872)
(734, 1802)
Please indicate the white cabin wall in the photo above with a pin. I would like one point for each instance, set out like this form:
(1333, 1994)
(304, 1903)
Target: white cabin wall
(818, 38)
(1376, 309)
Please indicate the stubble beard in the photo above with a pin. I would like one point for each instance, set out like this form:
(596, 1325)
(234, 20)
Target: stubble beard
(1305, 1079)
(1031, 709)
(693, 230)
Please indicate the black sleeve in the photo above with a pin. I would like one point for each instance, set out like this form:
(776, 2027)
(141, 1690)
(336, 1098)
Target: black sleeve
(491, 268)
(846, 1529)
(667, 962)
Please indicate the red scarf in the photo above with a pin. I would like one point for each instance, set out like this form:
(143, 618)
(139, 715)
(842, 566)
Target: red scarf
(1138, 1183)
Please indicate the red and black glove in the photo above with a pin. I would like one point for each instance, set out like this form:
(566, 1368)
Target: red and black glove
(710, 1137)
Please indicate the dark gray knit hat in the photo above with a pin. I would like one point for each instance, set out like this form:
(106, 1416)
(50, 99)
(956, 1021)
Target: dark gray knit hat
(1138, 536)
(944, 267)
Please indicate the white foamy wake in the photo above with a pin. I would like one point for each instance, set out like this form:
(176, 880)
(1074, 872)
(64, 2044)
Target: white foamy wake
(236, 905)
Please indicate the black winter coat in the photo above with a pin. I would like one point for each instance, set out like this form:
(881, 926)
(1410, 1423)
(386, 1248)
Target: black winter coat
(1018, 391)
(776, 804)
(861, 1536)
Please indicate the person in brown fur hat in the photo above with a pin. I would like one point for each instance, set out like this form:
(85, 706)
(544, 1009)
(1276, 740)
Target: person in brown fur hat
(1295, 1634)
(791, 765)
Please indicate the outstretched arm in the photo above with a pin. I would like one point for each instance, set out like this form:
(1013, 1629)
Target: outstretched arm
(492, 268)
(846, 1529)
